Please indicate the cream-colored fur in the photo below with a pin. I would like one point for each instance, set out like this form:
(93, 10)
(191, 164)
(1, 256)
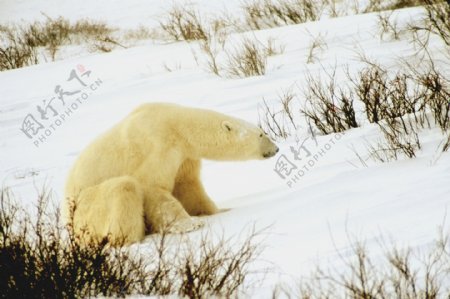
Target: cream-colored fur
(144, 173)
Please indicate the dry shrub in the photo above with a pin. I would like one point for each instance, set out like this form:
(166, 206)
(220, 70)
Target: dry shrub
(59, 31)
(399, 4)
(436, 92)
(184, 23)
(401, 104)
(14, 50)
(41, 259)
(329, 107)
(316, 46)
(261, 14)
(139, 33)
(52, 32)
(381, 5)
(436, 20)
(399, 141)
(280, 123)
(273, 47)
(402, 273)
(19, 44)
(105, 45)
(88, 28)
(446, 143)
(212, 48)
(247, 59)
(388, 25)
(211, 269)
(384, 97)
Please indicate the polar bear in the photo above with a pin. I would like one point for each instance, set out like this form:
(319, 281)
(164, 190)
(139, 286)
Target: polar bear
(143, 175)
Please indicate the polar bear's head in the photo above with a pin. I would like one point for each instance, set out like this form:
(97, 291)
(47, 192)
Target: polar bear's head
(244, 141)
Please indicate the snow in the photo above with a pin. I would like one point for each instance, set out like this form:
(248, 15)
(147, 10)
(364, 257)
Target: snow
(310, 220)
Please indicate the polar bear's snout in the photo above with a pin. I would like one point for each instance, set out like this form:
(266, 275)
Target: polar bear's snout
(271, 153)
(270, 149)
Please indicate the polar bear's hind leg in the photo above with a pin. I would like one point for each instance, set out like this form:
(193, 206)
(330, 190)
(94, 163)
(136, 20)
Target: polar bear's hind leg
(112, 209)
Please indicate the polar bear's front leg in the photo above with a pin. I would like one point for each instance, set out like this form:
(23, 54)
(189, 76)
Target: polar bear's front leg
(189, 190)
(164, 213)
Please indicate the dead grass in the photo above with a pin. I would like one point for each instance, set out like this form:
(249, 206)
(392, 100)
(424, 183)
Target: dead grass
(260, 14)
(247, 59)
(20, 45)
(184, 23)
(402, 273)
(41, 259)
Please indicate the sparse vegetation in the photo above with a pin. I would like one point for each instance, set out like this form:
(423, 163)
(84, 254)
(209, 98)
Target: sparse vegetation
(329, 107)
(388, 98)
(317, 45)
(20, 44)
(388, 25)
(398, 140)
(401, 273)
(261, 14)
(247, 60)
(212, 49)
(247, 57)
(446, 145)
(273, 48)
(15, 52)
(401, 104)
(436, 20)
(41, 259)
(184, 23)
(380, 5)
(436, 92)
(105, 44)
(400, 107)
(140, 33)
(279, 123)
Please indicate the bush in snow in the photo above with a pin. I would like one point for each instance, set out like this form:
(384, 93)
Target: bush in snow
(184, 23)
(279, 123)
(261, 14)
(239, 59)
(41, 259)
(328, 107)
(436, 20)
(20, 44)
(403, 273)
(14, 50)
(248, 59)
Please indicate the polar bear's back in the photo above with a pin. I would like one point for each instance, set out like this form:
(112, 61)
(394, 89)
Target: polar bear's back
(119, 150)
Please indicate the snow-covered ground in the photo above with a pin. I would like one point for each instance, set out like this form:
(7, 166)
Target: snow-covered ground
(310, 217)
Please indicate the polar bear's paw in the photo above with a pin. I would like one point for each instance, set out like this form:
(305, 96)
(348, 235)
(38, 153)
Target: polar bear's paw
(186, 225)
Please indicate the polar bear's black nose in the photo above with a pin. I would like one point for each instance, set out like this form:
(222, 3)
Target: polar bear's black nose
(271, 153)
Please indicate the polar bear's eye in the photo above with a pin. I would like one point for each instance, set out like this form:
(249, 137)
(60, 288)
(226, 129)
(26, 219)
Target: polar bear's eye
(261, 135)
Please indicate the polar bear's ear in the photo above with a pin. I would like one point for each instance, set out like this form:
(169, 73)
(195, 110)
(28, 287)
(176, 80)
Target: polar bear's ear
(226, 125)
